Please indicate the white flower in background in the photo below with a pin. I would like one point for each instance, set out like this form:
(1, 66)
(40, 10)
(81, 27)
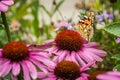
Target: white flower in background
(15, 25)
(100, 25)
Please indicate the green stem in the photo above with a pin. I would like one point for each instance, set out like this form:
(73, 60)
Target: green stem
(6, 26)
(19, 77)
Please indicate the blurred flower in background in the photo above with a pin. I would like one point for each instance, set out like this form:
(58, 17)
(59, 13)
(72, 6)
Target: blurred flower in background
(118, 40)
(94, 74)
(110, 75)
(65, 25)
(15, 25)
(4, 5)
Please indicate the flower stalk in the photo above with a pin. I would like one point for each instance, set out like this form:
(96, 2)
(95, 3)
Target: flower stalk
(6, 26)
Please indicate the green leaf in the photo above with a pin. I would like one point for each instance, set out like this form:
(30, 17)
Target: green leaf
(57, 6)
(23, 10)
(47, 31)
(44, 8)
(35, 22)
(117, 67)
(113, 29)
(1, 26)
(116, 57)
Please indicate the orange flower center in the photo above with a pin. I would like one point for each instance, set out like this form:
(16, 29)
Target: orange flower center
(15, 51)
(67, 70)
(69, 40)
(94, 74)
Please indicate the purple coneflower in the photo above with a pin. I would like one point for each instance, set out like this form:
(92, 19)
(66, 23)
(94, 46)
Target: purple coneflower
(4, 5)
(111, 75)
(63, 24)
(65, 70)
(69, 45)
(17, 58)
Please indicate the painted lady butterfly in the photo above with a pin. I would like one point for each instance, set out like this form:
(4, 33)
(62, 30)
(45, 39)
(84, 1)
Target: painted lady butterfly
(85, 26)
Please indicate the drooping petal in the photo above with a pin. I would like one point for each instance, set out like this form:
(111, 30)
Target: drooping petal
(52, 50)
(43, 60)
(86, 67)
(91, 44)
(81, 62)
(86, 54)
(73, 57)
(25, 71)
(49, 41)
(62, 56)
(96, 58)
(6, 69)
(15, 69)
(0, 52)
(50, 78)
(41, 67)
(85, 57)
(42, 54)
(68, 56)
(41, 75)
(3, 8)
(104, 77)
(96, 51)
(7, 2)
(14, 77)
(32, 69)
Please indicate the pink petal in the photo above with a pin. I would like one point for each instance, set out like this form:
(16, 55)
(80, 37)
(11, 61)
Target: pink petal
(13, 77)
(6, 69)
(55, 59)
(80, 60)
(3, 8)
(7, 2)
(41, 75)
(86, 67)
(49, 41)
(97, 58)
(42, 54)
(50, 79)
(85, 57)
(86, 54)
(15, 69)
(2, 62)
(62, 56)
(68, 56)
(37, 63)
(45, 61)
(32, 69)
(107, 77)
(52, 75)
(51, 50)
(96, 51)
(0, 54)
(83, 77)
(0, 50)
(25, 71)
(91, 44)
(73, 57)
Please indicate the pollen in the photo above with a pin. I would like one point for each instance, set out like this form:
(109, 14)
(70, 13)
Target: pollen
(67, 70)
(69, 40)
(15, 51)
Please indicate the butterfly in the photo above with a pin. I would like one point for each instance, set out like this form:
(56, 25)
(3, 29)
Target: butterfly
(85, 26)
